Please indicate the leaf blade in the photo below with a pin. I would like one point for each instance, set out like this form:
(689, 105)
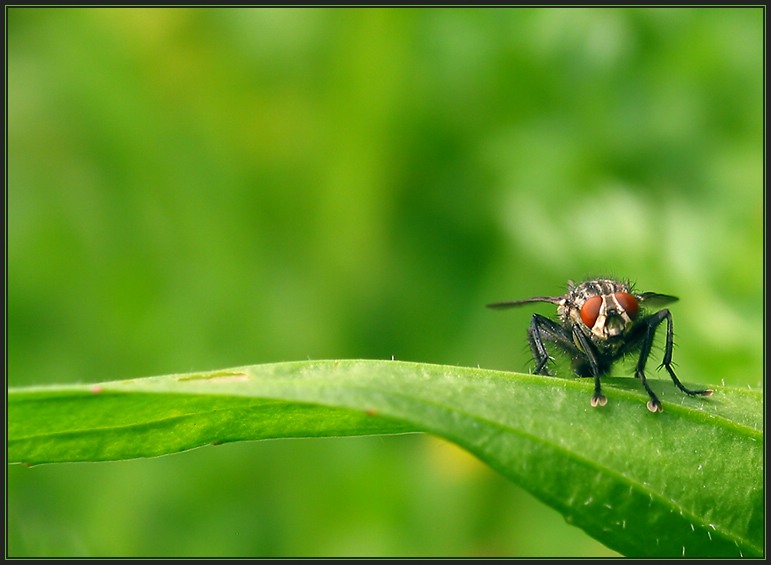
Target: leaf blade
(610, 471)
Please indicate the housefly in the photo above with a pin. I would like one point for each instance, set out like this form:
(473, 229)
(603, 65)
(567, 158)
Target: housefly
(600, 321)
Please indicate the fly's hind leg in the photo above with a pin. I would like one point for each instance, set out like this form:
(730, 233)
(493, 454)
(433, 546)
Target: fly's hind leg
(652, 322)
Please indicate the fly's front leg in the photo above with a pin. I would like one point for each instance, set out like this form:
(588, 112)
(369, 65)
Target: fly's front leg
(543, 328)
(598, 399)
(652, 322)
(574, 343)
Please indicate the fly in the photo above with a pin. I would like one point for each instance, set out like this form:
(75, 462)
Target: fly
(601, 321)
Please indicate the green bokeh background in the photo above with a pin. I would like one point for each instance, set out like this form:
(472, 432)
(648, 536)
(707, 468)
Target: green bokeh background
(194, 189)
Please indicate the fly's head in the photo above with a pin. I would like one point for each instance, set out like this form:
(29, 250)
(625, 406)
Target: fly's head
(604, 310)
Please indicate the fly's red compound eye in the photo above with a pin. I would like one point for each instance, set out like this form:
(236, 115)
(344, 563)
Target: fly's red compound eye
(628, 303)
(591, 310)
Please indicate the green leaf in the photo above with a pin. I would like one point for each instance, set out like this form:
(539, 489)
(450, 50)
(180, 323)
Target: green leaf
(685, 482)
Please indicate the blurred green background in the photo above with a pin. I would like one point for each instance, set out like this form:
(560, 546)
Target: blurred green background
(194, 189)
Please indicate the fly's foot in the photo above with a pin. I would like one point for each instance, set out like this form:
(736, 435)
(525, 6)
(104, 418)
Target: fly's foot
(599, 400)
(654, 405)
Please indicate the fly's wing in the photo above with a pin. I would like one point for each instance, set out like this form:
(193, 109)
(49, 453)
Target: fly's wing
(655, 299)
(514, 303)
